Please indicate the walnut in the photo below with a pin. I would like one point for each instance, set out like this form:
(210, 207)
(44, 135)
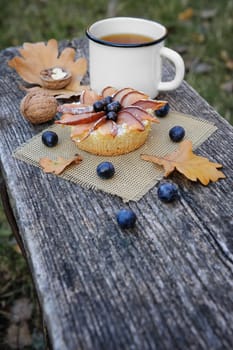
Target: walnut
(38, 106)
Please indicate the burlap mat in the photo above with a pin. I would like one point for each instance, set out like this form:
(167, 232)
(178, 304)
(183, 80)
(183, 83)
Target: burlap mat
(133, 177)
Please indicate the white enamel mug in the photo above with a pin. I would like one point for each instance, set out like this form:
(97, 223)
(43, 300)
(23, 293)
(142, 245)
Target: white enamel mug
(138, 66)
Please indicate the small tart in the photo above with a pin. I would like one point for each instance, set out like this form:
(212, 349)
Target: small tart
(110, 128)
(126, 140)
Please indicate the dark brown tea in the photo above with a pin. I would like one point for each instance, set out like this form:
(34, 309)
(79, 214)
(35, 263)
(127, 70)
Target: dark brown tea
(127, 38)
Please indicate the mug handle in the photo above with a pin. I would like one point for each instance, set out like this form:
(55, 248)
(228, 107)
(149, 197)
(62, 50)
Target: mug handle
(177, 60)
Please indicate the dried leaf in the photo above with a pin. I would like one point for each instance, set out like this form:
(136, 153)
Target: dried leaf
(61, 93)
(224, 55)
(229, 64)
(39, 56)
(187, 163)
(21, 310)
(18, 336)
(198, 38)
(58, 165)
(17, 249)
(186, 14)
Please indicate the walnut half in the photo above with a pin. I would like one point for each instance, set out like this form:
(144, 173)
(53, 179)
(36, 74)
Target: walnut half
(55, 78)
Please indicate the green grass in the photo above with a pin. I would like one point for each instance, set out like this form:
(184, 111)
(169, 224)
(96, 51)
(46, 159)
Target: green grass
(203, 40)
(15, 283)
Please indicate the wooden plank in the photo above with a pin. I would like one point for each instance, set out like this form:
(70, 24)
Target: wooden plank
(167, 284)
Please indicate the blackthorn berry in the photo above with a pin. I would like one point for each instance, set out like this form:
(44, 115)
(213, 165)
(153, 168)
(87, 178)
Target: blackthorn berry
(105, 170)
(98, 106)
(163, 111)
(167, 192)
(177, 133)
(126, 218)
(49, 138)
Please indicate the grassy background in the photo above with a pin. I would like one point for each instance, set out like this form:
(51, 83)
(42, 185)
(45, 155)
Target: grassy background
(200, 30)
(204, 37)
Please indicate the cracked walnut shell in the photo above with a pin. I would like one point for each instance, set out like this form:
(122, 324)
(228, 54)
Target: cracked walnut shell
(55, 78)
(38, 107)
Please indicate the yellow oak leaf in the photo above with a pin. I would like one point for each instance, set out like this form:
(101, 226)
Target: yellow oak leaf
(187, 14)
(58, 165)
(187, 163)
(34, 58)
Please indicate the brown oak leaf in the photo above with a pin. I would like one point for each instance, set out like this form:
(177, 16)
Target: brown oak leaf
(187, 163)
(58, 165)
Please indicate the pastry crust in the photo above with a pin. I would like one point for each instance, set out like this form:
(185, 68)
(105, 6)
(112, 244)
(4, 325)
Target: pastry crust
(108, 145)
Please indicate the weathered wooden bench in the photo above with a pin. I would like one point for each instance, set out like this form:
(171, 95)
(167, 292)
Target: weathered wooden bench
(166, 284)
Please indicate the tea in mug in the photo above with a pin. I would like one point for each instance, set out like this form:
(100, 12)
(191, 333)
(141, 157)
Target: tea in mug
(139, 68)
(127, 38)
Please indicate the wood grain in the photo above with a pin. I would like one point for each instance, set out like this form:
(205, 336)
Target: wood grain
(167, 284)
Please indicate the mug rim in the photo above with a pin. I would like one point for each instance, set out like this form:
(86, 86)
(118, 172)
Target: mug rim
(129, 45)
